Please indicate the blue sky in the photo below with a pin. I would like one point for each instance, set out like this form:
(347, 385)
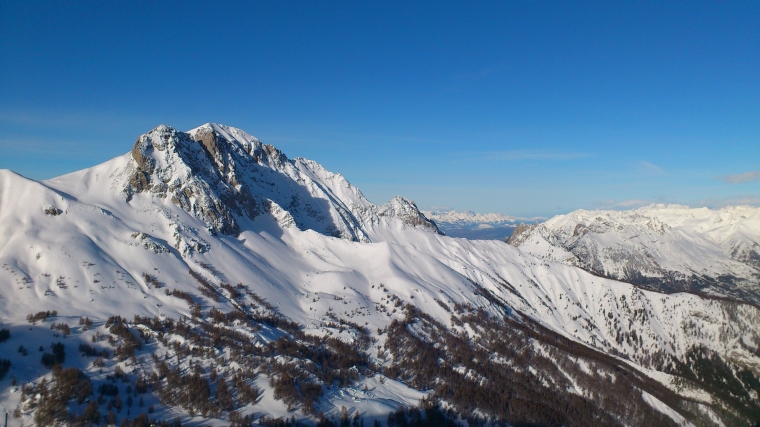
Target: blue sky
(525, 108)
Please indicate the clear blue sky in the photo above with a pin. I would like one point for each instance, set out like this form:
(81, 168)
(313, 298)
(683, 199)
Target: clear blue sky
(525, 108)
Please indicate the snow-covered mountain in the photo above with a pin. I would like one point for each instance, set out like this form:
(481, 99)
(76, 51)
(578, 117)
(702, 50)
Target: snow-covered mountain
(222, 282)
(221, 174)
(663, 247)
(472, 225)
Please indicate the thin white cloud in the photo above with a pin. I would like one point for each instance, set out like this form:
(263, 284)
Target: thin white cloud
(623, 204)
(515, 155)
(649, 168)
(70, 120)
(46, 146)
(712, 203)
(741, 178)
(749, 200)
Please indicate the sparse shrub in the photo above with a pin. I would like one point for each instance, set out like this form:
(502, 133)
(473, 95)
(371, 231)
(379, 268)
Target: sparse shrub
(88, 350)
(181, 295)
(40, 316)
(108, 389)
(64, 328)
(151, 281)
(85, 322)
(5, 366)
(56, 357)
(234, 294)
(206, 288)
(130, 343)
(91, 414)
(67, 385)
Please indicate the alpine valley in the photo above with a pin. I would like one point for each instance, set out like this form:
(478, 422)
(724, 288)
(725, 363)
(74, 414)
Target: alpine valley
(204, 278)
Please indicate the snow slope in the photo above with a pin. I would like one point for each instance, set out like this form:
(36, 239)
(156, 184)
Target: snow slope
(221, 204)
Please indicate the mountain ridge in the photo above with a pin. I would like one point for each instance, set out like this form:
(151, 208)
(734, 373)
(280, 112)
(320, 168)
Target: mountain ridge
(662, 247)
(219, 174)
(371, 324)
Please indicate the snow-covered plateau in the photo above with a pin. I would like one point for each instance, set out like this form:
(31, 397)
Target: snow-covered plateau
(205, 278)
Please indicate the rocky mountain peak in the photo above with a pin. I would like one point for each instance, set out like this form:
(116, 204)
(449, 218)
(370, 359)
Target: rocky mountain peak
(407, 211)
(197, 172)
(521, 233)
(223, 175)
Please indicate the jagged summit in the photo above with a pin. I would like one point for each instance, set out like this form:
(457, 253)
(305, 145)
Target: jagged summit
(221, 174)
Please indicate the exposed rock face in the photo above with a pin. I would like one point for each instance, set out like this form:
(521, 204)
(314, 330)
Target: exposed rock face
(407, 212)
(210, 140)
(52, 211)
(140, 180)
(171, 164)
(149, 242)
(284, 218)
(522, 231)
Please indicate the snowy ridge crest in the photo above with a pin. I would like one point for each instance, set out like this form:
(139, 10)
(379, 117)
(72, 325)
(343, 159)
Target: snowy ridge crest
(406, 210)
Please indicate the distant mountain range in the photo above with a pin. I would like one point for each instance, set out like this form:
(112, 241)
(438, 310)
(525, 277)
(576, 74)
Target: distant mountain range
(667, 248)
(205, 277)
(471, 225)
